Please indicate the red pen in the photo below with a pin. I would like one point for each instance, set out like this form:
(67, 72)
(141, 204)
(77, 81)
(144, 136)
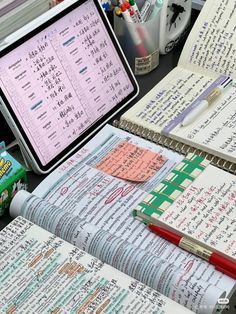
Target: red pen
(137, 40)
(221, 263)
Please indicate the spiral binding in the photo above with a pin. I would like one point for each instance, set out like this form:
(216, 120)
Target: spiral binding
(173, 144)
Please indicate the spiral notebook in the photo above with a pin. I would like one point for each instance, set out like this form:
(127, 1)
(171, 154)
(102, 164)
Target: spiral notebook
(207, 59)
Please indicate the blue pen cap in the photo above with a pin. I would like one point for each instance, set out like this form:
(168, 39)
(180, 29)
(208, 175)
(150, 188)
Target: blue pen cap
(159, 3)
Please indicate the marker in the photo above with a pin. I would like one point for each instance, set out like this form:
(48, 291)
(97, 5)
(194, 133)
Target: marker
(142, 29)
(118, 12)
(133, 17)
(206, 102)
(147, 9)
(135, 8)
(220, 262)
(131, 12)
(106, 6)
(125, 12)
(141, 50)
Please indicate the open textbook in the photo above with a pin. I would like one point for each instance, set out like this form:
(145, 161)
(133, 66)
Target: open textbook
(210, 51)
(92, 209)
(41, 273)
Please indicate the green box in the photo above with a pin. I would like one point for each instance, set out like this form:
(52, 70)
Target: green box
(12, 179)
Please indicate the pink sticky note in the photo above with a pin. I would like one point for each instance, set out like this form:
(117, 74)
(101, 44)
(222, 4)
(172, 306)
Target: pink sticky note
(130, 162)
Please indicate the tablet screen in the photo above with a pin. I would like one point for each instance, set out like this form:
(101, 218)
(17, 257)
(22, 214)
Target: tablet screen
(64, 78)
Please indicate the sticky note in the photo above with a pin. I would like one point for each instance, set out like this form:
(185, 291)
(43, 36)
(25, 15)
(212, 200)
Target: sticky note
(131, 162)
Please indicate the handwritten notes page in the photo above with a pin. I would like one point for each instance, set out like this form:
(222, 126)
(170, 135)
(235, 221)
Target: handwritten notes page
(206, 211)
(167, 100)
(150, 269)
(209, 51)
(130, 162)
(107, 202)
(213, 131)
(211, 45)
(41, 273)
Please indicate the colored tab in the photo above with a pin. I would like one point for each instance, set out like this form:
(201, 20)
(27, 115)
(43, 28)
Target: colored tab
(148, 211)
(179, 178)
(197, 159)
(169, 189)
(190, 168)
(158, 200)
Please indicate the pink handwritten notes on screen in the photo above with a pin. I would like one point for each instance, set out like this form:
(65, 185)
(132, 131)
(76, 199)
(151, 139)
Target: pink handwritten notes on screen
(130, 162)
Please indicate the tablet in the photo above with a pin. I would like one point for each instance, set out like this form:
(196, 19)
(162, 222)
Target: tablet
(62, 77)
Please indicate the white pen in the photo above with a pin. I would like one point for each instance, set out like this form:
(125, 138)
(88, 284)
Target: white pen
(206, 102)
(147, 9)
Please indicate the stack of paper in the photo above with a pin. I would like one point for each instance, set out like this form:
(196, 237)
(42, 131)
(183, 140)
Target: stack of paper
(16, 13)
(198, 4)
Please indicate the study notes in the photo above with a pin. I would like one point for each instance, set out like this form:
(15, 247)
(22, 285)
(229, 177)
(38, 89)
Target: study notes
(208, 54)
(197, 201)
(41, 273)
(79, 190)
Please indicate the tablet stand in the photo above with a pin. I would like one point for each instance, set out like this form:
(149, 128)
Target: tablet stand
(15, 150)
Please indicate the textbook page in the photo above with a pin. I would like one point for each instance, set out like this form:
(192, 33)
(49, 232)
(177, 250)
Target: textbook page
(211, 45)
(41, 273)
(108, 202)
(142, 265)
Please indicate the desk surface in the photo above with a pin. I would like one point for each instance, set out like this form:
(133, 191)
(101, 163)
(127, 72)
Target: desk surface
(146, 82)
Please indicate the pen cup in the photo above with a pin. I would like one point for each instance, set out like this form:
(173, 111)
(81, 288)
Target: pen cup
(139, 42)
